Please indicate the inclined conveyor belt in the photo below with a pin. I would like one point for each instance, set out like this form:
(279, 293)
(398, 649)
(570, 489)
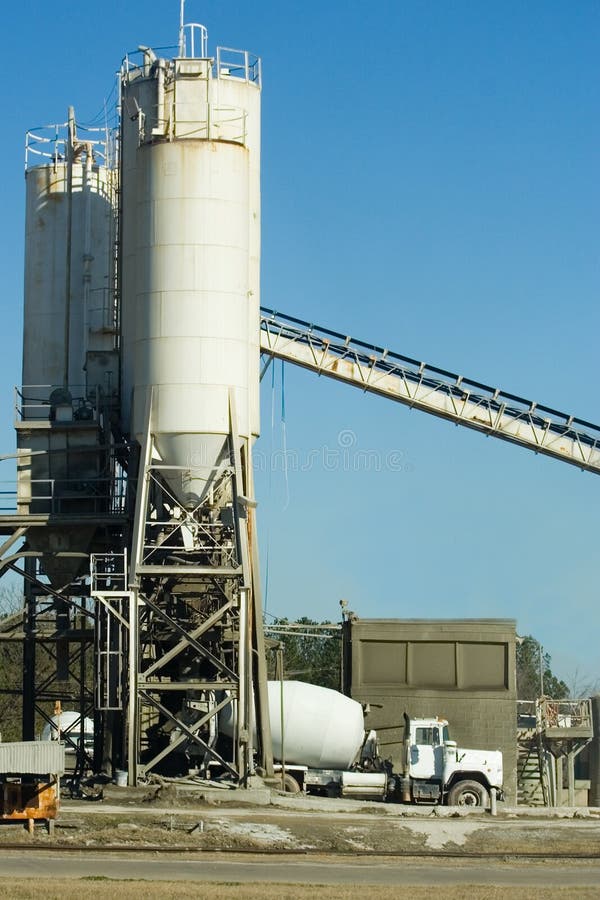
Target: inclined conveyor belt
(421, 386)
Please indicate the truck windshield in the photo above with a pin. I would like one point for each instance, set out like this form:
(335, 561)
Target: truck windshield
(446, 733)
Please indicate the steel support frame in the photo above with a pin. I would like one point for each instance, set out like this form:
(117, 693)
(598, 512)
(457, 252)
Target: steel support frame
(238, 616)
(40, 645)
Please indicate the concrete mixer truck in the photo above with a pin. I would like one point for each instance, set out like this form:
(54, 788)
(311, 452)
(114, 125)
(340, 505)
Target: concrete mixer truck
(320, 744)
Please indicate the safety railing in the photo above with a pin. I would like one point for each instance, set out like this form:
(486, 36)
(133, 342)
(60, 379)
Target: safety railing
(57, 403)
(222, 123)
(526, 714)
(49, 144)
(193, 37)
(565, 714)
(545, 713)
(108, 572)
(241, 64)
(8, 496)
(74, 496)
(227, 63)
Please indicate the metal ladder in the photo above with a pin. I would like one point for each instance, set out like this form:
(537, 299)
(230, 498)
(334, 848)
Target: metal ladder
(532, 788)
(418, 385)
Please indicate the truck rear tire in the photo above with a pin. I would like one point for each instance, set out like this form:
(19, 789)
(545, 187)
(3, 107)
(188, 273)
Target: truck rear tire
(290, 785)
(468, 793)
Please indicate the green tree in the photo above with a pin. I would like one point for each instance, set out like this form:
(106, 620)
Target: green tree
(533, 668)
(309, 654)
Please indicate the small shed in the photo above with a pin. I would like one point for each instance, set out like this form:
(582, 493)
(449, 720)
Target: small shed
(30, 774)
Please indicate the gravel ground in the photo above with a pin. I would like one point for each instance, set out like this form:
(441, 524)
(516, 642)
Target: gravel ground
(170, 819)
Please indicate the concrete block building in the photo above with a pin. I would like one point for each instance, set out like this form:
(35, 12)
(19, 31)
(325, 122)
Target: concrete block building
(463, 670)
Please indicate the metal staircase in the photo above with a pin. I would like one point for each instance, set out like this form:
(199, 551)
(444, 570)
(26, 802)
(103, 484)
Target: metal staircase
(532, 776)
(415, 384)
(548, 732)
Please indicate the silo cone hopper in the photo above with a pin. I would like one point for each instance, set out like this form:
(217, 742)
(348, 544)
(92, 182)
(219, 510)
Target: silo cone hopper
(193, 487)
(197, 464)
(64, 551)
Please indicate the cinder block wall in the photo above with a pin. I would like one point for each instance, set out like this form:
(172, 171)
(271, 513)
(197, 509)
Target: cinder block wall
(461, 670)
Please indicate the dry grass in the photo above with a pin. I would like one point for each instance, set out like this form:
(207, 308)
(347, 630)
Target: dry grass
(93, 888)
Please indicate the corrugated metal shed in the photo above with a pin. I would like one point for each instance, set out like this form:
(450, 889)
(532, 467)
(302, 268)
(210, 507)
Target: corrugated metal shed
(32, 758)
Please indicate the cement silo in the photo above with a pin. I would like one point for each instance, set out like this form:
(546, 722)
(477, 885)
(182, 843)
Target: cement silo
(190, 257)
(69, 236)
(190, 312)
(70, 362)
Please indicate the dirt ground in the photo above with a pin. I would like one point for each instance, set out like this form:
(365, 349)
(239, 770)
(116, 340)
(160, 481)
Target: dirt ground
(320, 833)
(170, 819)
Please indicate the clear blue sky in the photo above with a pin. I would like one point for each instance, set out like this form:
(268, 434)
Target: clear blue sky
(430, 182)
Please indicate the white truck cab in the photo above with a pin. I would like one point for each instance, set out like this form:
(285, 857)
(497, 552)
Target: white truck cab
(436, 769)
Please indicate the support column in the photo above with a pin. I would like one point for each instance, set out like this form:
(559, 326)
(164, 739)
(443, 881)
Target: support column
(558, 767)
(571, 775)
(132, 700)
(29, 653)
(259, 658)
(595, 753)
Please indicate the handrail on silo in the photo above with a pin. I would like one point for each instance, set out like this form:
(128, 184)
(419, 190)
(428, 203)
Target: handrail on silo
(241, 64)
(217, 117)
(33, 139)
(193, 28)
(36, 143)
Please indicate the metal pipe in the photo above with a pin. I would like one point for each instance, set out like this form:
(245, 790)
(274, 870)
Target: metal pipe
(181, 28)
(87, 247)
(160, 109)
(405, 779)
(68, 243)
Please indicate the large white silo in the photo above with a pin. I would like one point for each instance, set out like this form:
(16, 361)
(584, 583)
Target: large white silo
(70, 358)
(190, 257)
(69, 235)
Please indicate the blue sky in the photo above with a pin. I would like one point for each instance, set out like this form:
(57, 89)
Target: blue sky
(430, 183)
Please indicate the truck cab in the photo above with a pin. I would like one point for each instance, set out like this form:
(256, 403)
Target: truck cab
(439, 771)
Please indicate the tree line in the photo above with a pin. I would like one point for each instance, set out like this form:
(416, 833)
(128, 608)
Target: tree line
(314, 655)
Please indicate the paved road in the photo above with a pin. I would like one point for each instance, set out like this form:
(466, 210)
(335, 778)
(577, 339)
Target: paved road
(218, 868)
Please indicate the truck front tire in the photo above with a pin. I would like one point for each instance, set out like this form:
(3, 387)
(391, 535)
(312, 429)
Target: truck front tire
(468, 793)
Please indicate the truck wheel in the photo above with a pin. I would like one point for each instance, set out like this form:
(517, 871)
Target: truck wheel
(468, 793)
(290, 785)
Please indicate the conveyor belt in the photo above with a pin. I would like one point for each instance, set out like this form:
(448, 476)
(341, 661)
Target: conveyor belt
(421, 386)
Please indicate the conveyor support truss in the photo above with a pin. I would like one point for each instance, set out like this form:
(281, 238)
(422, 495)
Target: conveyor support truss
(433, 390)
